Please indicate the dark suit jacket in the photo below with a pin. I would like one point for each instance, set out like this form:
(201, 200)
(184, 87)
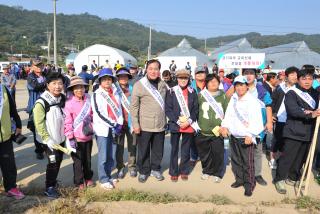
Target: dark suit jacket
(299, 126)
(173, 109)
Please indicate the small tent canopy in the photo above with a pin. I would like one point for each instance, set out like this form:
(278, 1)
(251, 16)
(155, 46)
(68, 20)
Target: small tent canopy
(101, 53)
(70, 58)
(238, 46)
(292, 54)
(182, 54)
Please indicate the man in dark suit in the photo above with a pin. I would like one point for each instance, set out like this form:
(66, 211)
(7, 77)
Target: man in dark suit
(301, 103)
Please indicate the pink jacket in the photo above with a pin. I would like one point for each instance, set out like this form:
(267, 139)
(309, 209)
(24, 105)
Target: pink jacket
(72, 109)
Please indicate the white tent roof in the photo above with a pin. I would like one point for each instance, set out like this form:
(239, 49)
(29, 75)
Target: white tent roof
(239, 46)
(292, 54)
(101, 53)
(184, 49)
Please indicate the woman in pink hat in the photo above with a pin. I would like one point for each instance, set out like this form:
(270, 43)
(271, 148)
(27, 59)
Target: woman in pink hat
(78, 131)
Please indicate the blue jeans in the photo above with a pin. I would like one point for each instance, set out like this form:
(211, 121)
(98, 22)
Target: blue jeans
(105, 157)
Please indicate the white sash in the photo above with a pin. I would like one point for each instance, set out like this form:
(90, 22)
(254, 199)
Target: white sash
(48, 97)
(282, 113)
(116, 111)
(213, 103)
(1, 99)
(238, 114)
(83, 113)
(124, 100)
(153, 91)
(305, 97)
(182, 102)
(184, 106)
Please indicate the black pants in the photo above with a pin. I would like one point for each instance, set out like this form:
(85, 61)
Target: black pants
(150, 142)
(39, 146)
(132, 149)
(82, 163)
(278, 141)
(242, 162)
(183, 167)
(211, 153)
(53, 167)
(8, 165)
(290, 163)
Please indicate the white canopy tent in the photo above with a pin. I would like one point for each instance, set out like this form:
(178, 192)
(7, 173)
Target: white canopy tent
(101, 53)
(182, 54)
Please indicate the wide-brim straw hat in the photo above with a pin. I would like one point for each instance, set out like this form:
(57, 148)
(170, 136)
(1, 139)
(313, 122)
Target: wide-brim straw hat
(76, 80)
(182, 73)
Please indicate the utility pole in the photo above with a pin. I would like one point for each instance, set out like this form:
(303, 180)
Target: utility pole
(54, 33)
(149, 47)
(49, 42)
(205, 45)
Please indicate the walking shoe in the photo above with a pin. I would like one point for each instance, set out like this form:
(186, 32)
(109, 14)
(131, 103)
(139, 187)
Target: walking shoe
(193, 163)
(81, 187)
(216, 179)
(39, 156)
(174, 178)
(51, 192)
(157, 175)
(16, 193)
(133, 173)
(89, 183)
(261, 181)
(121, 173)
(248, 192)
(205, 177)
(114, 181)
(236, 185)
(272, 164)
(142, 178)
(184, 177)
(290, 182)
(107, 186)
(281, 187)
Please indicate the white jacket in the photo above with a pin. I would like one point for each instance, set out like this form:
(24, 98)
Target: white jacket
(54, 119)
(102, 123)
(250, 109)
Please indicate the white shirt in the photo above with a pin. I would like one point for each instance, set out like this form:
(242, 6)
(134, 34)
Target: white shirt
(100, 127)
(250, 109)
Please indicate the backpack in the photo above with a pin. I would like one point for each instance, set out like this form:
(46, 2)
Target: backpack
(47, 106)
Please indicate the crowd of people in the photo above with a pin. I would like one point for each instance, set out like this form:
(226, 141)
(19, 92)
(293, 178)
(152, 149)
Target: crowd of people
(219, 119)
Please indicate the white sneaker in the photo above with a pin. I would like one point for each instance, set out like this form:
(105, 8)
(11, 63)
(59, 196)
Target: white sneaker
(114, 180)
(205, 176)
(273, 164)
(107, 186)
(216, 179)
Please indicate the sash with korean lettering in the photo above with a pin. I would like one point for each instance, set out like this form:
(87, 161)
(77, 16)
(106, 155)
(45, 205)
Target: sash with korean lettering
(114, 108)
(282, 113)
(238, 114)
(153, 91)
(184, 107)
(305, 97)
(1, 99)
(124, 100)
(85, 110)
(213, 103)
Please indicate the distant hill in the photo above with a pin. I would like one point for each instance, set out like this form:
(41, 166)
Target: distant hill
(24, 31)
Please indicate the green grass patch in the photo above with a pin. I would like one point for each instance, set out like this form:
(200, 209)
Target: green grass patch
(304, 202)
(92, 195)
